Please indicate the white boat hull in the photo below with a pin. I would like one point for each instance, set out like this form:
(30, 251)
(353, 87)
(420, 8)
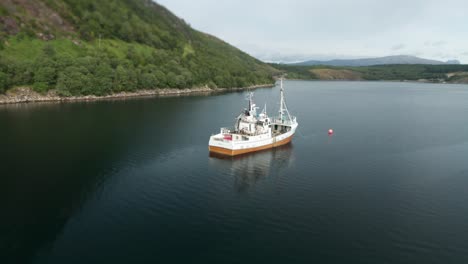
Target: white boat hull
(231, 147)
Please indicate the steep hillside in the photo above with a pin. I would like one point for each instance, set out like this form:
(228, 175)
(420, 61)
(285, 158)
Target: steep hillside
(398, 59)
(101, 47)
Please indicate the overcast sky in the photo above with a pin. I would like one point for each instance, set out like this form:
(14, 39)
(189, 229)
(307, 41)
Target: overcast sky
(275, 30)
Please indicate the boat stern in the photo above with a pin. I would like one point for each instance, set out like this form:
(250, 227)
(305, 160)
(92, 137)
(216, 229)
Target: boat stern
(221, 144)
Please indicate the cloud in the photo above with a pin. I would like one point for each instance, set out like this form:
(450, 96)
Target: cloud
(438, 43)
(359, 28)
(398, 47)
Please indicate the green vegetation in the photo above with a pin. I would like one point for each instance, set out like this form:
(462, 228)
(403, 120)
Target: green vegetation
(409, 72)
(412, 72)
(100, 47)
(296, 72)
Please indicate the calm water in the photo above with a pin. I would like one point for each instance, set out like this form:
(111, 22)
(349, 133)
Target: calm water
(131, 181)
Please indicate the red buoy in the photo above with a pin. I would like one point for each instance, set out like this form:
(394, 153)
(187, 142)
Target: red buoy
(330, 131)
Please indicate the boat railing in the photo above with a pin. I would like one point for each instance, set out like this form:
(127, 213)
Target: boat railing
(226, 130)
(286, 122)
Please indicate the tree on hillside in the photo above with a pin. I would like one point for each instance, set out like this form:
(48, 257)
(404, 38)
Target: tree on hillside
(101, 81)
(73, 81)
(3, 82)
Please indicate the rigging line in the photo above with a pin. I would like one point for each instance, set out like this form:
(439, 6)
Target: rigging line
(300, 133)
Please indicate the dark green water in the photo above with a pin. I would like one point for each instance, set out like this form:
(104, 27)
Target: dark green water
(131, 181)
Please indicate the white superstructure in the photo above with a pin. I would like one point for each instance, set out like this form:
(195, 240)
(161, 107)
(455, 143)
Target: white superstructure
(255, 131)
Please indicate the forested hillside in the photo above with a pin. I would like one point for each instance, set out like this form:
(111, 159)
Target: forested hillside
(101, 47)
(397, 72)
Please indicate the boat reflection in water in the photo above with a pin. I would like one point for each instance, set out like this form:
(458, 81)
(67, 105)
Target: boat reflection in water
(250, 168)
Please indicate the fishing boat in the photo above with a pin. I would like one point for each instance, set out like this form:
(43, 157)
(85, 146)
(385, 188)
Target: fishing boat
(254, 131)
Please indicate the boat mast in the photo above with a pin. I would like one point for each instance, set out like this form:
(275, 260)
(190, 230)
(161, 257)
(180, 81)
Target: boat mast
(281, 111)
(283, 107)
(251, 102)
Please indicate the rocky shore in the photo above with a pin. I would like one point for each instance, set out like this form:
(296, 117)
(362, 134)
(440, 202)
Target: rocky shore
(27, 95)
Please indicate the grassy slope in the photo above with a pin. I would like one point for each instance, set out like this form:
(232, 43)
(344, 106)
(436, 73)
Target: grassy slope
(140, 40)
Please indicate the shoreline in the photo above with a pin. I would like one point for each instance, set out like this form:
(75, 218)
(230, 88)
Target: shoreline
(392, 81)
(21, 95)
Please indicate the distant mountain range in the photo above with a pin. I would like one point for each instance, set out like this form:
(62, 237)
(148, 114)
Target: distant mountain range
(398, 59)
